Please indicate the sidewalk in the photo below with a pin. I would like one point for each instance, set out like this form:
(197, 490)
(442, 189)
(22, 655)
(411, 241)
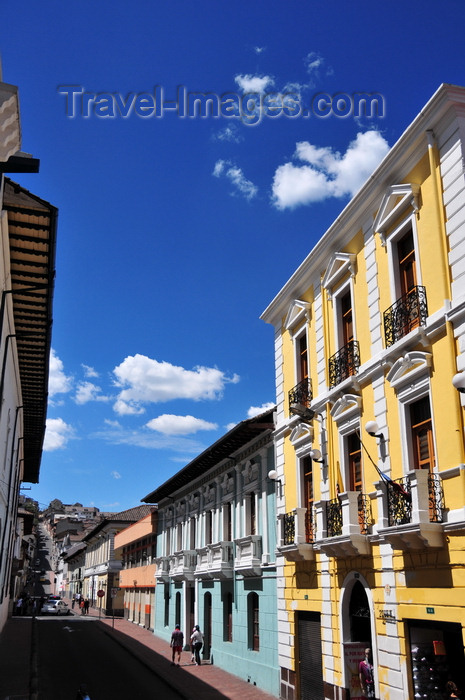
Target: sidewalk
(191, 682)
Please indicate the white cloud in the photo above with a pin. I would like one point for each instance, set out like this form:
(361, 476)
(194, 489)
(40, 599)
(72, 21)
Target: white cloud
(89, 371)
(115, 475)
(328, 173)
(86, 391)
(256, 410)
(58, 382)
(254, 83)
(57, 434)
(179, 425)
(144, 380)
(230, 133)
(236, 176)
(313, 62)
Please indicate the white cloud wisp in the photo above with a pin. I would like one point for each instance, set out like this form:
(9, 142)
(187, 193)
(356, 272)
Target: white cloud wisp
(327, 173)
(144, 380)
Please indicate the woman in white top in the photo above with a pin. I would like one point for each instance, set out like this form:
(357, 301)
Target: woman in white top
(197, 643)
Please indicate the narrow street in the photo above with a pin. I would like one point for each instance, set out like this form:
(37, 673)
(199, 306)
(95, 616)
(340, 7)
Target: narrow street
(72, 651)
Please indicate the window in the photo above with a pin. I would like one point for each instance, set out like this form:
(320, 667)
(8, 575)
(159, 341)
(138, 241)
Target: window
(422, 434)
(192, 533)
(227, 618)
(208, 527)
(307, 466)
(302, 369)
(227, 522)
(406, 262)
(179, 537)
(354, 461)
(253, 622)
(346, 361)
(251, 515)
(347, 326)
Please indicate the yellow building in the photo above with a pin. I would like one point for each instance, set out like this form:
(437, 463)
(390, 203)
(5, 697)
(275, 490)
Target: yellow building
(369, 334)
(136, 546)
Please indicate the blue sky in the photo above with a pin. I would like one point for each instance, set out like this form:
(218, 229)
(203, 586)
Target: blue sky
(175, 233)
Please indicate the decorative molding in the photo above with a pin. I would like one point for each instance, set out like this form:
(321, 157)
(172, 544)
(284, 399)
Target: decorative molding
(408, 368)
(301, 433)
(396, 200)
(339, 265)
(298, 310)
(346, 407)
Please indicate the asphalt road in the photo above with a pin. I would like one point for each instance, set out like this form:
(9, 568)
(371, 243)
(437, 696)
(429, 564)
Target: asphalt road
(72, 651)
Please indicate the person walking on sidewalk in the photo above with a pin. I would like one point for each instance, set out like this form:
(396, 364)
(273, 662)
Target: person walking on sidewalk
(197, 644)
(86, 606)
(177, 641)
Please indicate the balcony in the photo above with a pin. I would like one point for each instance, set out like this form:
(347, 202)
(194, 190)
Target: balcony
(343, 525)
(182, 565)
(248, 559)
(162, 569)
(301, 394)
(344, 363)
(411, 511)
(215, 561)
(407, 313)
(295, 535)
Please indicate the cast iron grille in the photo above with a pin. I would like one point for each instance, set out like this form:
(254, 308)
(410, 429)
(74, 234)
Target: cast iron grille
(436, 498)
(407, 313)
(302, 393)
(399, 496)
(364, 513)
(289, 528)
(334, 517)
(309, 526)
(344, 363)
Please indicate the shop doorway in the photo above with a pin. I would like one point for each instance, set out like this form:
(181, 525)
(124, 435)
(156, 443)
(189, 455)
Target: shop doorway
(309, 656)
(207, 625)
(436, 656)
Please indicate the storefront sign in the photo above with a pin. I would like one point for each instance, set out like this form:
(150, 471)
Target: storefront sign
(387, 616)
(354, 652)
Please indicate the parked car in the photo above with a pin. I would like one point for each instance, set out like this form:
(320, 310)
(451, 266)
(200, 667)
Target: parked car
(55, 607)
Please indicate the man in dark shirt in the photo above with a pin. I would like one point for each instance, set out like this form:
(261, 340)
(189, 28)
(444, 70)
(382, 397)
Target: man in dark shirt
(177, 642)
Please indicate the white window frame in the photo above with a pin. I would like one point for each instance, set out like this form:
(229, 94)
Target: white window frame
(393, 261)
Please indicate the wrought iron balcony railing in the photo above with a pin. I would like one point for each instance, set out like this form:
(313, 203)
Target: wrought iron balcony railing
(344, 363)
(334, 517)
(436, 498)
(399, 497)
(364, 513)
(407, 313)
(301, 394)
(289, 528)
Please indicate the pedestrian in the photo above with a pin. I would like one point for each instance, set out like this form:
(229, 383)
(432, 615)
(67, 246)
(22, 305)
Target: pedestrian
(81, 605)
(86, 606)
(192, 648)
(365, 672)
(176, 644)
(197, 644)
(452, 690)
(73, 602)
